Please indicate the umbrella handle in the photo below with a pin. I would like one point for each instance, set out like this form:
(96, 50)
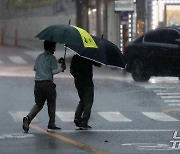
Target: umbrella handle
(65, 53)
(65, 46)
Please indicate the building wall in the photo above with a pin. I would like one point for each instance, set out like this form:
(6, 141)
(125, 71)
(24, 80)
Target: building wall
(28, 28)
(29, 22)
(112, 24)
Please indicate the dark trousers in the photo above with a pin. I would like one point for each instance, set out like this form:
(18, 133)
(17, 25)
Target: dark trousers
(44, 91)
(83, 110)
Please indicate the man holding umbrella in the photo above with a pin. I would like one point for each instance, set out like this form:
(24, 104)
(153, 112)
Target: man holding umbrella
(45, 67)
(98, 49)
(82, 71)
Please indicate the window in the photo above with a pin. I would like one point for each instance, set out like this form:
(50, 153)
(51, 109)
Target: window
(172, 36)
(157, 36)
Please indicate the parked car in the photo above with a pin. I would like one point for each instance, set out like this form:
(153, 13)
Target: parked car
(156, 53)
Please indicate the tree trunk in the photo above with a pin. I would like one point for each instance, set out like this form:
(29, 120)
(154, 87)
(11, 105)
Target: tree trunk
(100, 13)
(82, 14)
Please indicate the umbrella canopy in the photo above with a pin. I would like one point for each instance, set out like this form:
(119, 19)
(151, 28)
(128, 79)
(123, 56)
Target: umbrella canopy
(68, 35)
(107, 53)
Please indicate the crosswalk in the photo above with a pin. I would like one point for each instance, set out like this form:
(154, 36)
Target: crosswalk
(170, 97)
(114, 116)
(17, 116)
(168, 93)
(68, 116)
(159, 116)
(18, 59)
(25, 57)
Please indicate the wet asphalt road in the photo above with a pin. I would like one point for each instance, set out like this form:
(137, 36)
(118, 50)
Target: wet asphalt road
(127, 117)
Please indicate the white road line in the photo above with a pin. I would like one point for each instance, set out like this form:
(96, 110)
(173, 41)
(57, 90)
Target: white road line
(159, 116)
(65, 116)
(1, 62)
(166, 93)
(114, 116)
(178, 104)
(16, 136)
(17, 60)
(155, 87)
(172, 101)
(149, 146)
(161, 91)
(167, 97)
(18, 116)
(120, 130)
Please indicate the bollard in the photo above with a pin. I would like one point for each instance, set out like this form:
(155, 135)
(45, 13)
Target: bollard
(2, 37)
(16, 38)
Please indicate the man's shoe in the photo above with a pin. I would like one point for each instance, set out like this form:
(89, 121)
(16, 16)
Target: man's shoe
(26, 124)
(85, 127)
(53, 128)
(77, 122)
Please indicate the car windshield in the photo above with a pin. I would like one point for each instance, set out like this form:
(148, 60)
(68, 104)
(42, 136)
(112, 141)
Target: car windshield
(139, 40)
(178, 27)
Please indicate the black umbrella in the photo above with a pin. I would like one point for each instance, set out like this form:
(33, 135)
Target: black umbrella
(107, 53)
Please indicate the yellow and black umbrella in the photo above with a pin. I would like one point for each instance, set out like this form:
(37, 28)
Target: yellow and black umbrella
(107, 53)
(68, 35)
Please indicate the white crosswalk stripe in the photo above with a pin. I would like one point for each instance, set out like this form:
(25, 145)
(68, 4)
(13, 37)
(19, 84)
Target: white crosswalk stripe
(18, 116)
(17, 60)
(65, 116)
(177, 104)
(167, 93)
(33, 54)
(167, 97)
(162, 91)
(172, 101)
(157, 87)
(159, 116)
(114, 116)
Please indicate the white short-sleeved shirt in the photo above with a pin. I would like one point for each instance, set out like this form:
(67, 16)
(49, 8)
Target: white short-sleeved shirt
(44, 65)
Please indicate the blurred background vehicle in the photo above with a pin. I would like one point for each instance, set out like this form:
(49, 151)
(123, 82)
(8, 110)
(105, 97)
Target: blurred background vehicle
(156, 53)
